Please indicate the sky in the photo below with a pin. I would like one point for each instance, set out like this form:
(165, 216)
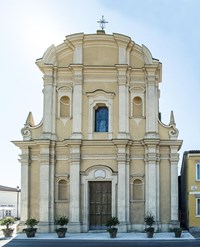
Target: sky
(169, 28)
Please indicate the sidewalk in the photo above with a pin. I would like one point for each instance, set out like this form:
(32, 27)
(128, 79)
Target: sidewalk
(102, 236)
(105, 236)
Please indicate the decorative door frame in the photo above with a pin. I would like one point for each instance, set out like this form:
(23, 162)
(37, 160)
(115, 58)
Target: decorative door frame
(96, 173)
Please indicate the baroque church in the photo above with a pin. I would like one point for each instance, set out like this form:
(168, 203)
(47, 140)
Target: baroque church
(101, 149)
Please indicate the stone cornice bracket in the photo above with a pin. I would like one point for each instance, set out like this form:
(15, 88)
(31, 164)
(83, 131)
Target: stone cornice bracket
(25, 157)
(123, 73)
(77, 70)
(151, 149)
(119, 142)
(123, 152)
(75, 149)
(153, 73)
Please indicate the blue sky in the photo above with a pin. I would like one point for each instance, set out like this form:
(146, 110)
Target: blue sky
(169, 28)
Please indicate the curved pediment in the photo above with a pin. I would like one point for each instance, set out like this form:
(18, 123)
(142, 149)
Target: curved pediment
(97, 50)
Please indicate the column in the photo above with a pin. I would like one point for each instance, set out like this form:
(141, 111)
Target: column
(151, 103)
(123, 102)
(74, 208)
(174, 185)
(48, 105)
(123, 183)
(25, 164)
(44, 186)
(152, 176)
(51, 187)
(77, 102)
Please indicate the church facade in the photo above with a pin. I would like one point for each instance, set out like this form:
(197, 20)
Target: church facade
(101, 149)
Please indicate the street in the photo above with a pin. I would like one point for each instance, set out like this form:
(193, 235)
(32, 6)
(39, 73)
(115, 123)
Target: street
(102, 243)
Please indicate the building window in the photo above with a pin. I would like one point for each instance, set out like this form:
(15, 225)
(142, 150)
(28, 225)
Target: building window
(197, 171)
(137, 107)
(64, 107)
(101, 119)
(62, 190)
(198, 207)
(8, 213)
(100, 99)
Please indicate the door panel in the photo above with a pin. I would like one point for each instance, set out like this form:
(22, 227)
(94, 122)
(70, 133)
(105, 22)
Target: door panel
(100, 204)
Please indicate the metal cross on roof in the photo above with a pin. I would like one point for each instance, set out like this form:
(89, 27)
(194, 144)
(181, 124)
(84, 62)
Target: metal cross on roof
(102, 22)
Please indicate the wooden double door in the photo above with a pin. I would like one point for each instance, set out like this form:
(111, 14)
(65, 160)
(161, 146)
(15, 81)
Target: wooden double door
(100, 198)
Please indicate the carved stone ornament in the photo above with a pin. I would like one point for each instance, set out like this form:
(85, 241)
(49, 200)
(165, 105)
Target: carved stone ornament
(173, 133)
(26, 133)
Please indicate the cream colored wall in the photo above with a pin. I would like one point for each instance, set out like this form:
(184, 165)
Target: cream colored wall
(98, 155)
(100, 55)
(34, 182)
(137, 167)
(62, 167)
(163, 131)
(63, 129)
(66, 59)
(136, 62)
(37, 132)
(61, 208)
(137, 128)
(165, 191)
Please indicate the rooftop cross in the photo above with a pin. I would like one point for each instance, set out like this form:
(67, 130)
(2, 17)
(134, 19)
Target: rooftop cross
(102, 22)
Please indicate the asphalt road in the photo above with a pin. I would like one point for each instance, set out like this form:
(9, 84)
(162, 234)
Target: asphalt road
(101, 243)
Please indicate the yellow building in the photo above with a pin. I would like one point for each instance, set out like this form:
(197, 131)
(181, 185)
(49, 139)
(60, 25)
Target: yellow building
(190, 190)
(100, 149)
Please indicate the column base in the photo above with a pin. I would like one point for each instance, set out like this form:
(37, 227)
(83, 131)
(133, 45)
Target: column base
(123, 227)
(74, 227)
(174, 223)
(21, 226)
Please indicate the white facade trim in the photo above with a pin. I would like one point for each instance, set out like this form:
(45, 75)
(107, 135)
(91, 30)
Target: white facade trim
(90, 175)
(95, 98)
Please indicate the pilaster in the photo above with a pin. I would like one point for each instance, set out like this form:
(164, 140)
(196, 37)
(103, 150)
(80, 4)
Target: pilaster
(49, 104)
(25, 165)
(151, 102)
(52, 187)
(123, 183)
(44, 207)
(123, 101)
(77, 101)
(174, 158)
(152, 176)
(74, 208)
